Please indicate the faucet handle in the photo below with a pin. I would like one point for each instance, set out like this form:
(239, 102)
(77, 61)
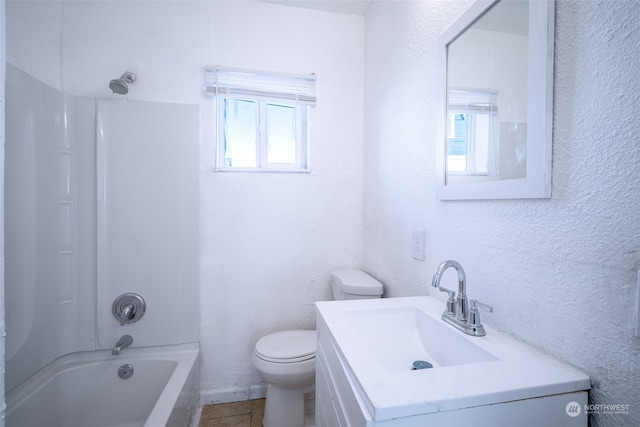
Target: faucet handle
(451, 301)
(474, 315)
(475, 302)
(128, 308)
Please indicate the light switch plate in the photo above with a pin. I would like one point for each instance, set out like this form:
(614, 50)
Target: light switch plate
(417, 243)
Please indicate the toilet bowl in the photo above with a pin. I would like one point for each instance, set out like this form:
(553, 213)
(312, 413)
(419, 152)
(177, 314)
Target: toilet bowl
(286, 360)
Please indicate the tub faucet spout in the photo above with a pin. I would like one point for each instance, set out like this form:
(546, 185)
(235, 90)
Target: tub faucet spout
(122, 343)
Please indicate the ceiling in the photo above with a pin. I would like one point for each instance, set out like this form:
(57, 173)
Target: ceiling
(354, 7)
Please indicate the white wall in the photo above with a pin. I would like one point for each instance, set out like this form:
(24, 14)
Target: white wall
(3, 56)
(165, 44)
(561, 273)
(270, 240)
(33, 39)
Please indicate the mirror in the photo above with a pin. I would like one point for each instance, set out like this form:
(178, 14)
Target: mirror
(496, 102)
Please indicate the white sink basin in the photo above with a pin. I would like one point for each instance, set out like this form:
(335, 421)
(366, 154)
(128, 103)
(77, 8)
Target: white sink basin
(399, 336)
(379, 339)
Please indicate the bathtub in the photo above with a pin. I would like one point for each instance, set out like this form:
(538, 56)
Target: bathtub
(85, 389)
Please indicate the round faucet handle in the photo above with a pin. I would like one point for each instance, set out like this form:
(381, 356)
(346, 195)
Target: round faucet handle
(128, 308)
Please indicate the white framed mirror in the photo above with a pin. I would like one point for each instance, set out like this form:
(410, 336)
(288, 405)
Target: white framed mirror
(495, 103)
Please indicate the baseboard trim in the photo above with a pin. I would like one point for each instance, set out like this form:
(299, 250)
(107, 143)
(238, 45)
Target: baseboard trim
(228, 395)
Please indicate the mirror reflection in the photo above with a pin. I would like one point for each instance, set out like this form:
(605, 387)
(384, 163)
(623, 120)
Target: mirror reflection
(486, 129)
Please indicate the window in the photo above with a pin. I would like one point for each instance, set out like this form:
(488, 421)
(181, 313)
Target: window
(471, 122)
(262, 119)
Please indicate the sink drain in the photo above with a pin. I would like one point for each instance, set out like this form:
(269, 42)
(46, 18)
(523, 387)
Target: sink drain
(421, 364)
(125, 371)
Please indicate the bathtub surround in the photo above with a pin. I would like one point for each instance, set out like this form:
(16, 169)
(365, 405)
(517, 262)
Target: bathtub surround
(561, 273)
(50, 219)
(76, 212)
(147, 157)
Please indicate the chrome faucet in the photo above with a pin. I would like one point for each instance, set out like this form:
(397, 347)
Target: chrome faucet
(458, 314)
(128, 308)
(461, 310)
(122, 343)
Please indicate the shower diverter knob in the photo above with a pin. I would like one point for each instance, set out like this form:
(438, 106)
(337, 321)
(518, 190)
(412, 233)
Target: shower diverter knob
(128, 308)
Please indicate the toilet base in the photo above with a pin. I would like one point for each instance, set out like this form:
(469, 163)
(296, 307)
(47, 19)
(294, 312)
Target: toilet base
(285, 407)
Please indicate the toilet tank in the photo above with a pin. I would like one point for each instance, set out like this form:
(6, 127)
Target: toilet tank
(350, 283)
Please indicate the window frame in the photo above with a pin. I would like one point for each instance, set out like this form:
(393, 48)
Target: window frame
(263, 89)
(302, 113)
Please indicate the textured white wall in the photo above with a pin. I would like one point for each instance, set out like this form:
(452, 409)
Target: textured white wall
(561, 273)
(270, 240)
(165, 43)
(33, 39)
(3, 56)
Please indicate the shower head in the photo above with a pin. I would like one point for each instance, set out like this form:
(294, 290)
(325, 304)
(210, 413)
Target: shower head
(119, 86)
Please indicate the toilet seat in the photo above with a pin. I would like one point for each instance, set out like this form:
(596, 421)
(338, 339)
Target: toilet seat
(287, 346)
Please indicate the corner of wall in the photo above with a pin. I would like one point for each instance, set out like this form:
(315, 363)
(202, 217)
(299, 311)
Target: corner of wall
(3, 56)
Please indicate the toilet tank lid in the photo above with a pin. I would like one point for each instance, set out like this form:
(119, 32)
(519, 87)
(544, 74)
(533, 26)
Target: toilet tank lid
(356, 282)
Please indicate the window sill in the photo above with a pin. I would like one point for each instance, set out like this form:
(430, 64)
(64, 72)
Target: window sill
(262, 170)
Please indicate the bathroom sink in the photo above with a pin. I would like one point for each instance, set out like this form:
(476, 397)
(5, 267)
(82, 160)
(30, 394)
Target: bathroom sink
(377, 341)
(399, 336)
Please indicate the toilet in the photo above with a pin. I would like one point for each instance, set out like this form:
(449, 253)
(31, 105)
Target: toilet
(286, 360)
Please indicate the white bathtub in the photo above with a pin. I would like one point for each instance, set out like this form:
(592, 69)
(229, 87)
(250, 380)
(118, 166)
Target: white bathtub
(84, 389)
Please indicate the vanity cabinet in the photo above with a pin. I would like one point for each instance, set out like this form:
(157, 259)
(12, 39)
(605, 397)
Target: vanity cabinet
(337, 400)
(348, 393)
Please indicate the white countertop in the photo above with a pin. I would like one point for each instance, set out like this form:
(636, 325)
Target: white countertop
(516, 371)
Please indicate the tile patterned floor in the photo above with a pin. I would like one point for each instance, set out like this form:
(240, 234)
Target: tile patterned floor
(247, 413)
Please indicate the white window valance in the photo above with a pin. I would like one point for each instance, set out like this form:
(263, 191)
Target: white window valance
(472, 100)
(261, 84)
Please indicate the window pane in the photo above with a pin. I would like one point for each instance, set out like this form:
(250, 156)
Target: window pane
(469, 135)
(457, 142)
(281, 134)
(481, 140)
(240, 133)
